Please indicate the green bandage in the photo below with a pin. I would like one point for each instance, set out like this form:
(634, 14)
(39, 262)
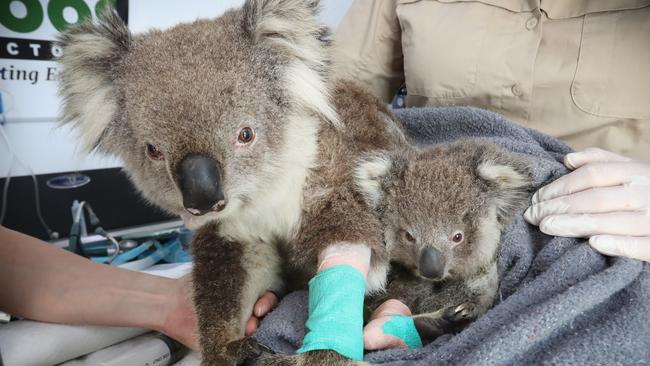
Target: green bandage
(336, 312)
(403, 328)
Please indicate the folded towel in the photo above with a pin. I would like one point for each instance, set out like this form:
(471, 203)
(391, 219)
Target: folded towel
(560, 302)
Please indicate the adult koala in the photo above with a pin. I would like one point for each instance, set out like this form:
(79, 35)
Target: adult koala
(231, 124)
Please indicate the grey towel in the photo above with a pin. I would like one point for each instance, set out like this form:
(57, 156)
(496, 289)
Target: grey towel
(560, 302)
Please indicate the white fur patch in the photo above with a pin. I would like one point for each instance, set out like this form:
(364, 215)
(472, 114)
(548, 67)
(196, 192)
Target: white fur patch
(488, 240)
(277, 207)
(310, 92)
(511, 185)
(376, 280)
(503, 175)
(368, 173)
(292, 27)
(263, 269)
(487, 285)
(90, 103)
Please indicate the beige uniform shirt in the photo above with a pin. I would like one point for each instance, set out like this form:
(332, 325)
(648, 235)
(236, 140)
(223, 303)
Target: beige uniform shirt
(575, 69)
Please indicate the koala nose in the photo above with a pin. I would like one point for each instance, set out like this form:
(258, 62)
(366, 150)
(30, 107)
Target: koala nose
(432, 263)
(200, 183)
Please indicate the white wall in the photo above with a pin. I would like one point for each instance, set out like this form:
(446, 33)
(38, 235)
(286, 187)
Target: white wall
(48, 149)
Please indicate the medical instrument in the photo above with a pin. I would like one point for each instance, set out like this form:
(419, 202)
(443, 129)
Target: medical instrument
(145, 350)
(104, 248)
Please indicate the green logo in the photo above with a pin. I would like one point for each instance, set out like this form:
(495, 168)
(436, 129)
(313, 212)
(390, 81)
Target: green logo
(34, 17)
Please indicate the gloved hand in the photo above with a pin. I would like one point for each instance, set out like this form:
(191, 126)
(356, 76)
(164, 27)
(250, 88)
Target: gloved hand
(606, 199)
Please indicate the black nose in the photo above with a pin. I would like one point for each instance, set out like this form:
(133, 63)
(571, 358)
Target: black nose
(200, 183)
(432, 263)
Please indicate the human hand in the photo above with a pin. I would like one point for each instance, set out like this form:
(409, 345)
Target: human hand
(263, 306)
(374, 337)
(180, 322)
(606, 199)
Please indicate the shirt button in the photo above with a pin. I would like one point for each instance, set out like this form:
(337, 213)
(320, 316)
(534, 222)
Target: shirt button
(531, 23)
(516, 90)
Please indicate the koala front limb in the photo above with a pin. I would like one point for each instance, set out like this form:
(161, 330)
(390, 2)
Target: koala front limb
(229, 276)
(336, 312)
(344, 267)
(336, 301)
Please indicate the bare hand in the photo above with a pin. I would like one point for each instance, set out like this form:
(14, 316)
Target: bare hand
(181, 323)
(374, 337)
(606, 199)
(263, 306)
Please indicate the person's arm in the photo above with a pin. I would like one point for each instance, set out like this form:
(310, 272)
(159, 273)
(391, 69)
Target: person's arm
(606, 199)
(41, 282)
(367, 48)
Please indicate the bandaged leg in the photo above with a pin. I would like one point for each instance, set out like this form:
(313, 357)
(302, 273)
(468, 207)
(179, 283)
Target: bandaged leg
(391, 326)
(336, 296)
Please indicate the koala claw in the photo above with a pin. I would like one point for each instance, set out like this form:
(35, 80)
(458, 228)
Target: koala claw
(465, 310)
(246, 350)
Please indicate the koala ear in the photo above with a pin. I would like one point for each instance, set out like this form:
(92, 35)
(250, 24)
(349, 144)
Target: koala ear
(292, 28)
(294, 21)
(91, 54)
(371, 174)
(509, 180)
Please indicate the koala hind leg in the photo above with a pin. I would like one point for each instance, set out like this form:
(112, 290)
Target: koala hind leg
(228, 278)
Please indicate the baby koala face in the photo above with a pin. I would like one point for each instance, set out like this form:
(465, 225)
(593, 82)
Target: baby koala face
(444, 207)
(437, 222)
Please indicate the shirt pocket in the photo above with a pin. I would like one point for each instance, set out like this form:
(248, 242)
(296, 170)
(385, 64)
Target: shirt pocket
(612, 77)
(442, 43)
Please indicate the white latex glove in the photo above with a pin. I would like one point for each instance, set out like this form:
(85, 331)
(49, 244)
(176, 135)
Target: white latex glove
(606, 199)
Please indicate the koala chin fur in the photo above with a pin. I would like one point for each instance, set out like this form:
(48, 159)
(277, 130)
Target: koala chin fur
(289, 193)
(424, 197)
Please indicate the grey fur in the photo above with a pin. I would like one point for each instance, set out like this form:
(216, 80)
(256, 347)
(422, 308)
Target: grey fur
(289, 194)
(426, 196)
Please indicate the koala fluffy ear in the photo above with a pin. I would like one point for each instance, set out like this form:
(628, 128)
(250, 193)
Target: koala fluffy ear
(371, 173)
(91, 53)
(292, 27)
(509, 180)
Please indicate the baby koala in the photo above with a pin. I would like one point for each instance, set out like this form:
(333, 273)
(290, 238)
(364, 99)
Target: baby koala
(443, 209)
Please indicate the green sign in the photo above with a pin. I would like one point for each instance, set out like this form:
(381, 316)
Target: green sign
(35, 13)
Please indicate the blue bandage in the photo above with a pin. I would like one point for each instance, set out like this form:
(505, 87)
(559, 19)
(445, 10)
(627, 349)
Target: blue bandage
(403, 328)
(336, 312)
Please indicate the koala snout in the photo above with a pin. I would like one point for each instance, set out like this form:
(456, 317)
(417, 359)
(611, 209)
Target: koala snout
(432, 263)
(199, 180)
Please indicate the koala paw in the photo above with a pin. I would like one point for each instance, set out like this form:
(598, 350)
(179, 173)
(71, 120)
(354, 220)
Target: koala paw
(240, 352)
(452, 319)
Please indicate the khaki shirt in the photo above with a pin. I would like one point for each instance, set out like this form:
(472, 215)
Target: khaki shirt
(577, 70)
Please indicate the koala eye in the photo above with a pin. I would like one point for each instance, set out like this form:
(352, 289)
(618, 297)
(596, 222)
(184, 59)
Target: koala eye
(154, 153)
(246, 135)
(458, 237)
(409, 236)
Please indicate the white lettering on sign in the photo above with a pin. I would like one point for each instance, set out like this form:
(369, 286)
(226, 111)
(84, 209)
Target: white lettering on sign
(12, 48)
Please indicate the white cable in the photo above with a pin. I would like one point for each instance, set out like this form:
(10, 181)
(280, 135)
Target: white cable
(14, 157)
(5, 189)
(80, 210)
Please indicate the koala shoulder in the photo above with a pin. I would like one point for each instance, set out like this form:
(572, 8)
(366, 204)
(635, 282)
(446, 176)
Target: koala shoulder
(366, 122)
